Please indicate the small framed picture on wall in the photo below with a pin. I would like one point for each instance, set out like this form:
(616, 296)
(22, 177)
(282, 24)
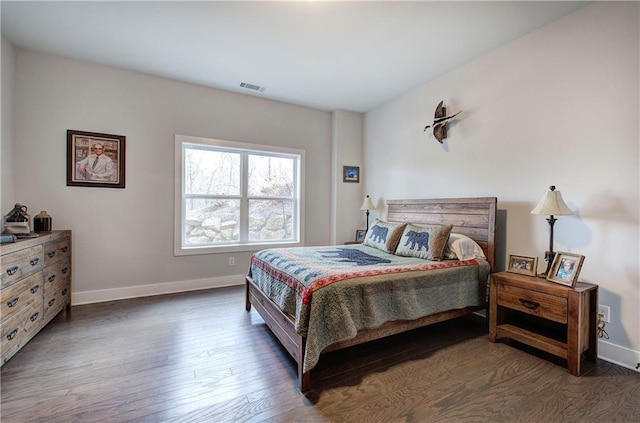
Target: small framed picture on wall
(351, 174)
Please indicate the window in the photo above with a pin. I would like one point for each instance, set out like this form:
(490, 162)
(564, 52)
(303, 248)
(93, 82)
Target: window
(234, 196)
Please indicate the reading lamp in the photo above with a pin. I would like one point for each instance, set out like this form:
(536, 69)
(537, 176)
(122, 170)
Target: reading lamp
(367, 205)
(551, 204)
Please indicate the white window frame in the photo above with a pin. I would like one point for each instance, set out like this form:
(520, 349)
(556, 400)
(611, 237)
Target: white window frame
(180, 198)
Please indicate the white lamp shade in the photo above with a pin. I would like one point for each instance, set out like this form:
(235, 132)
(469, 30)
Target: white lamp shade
(552, 204)
(367, 204)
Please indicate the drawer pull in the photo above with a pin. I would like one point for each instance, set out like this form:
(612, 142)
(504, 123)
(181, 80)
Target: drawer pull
(532, 305)
(65, 270)
(51, 278)
(64, 249)
(51, 302)
(12, 334)
(51, 253)
(34, 289)
(34, 261)
(34, 316)
(12, 302)
(12, 270)
(64, 292)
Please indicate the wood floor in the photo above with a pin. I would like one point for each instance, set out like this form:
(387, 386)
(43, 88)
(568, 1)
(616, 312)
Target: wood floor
(200, 357)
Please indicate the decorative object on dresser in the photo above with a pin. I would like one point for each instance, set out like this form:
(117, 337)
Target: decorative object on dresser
(7, 238)
(367, 205)
(523, 265)
(551, 204)
(360, 233)
(440, 120)
(351, 174)
(36, 286)
(560, 320)
(16, 222)
(95, 160)
(42, 222)
(565, 268)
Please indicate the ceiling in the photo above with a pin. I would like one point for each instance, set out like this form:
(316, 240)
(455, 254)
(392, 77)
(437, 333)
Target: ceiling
(321, 54)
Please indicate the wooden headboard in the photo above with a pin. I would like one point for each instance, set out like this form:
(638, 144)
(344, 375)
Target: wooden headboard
(473, 217)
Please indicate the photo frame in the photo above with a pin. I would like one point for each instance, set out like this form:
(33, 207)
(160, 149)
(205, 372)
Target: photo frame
(565, 268)
(360, 234)
(95, 159)
(523, 265)
(351, 174)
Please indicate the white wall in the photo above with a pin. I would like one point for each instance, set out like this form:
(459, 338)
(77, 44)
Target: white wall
(558, 106)
(347, 196)
(123, 238)
(7, 197)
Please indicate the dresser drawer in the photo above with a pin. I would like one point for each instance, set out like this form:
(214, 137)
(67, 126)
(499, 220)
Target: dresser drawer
(56, 251)
(532, 302)
(54, 301)
(18, 329)
(32, 318)
(57, 275)
(21, 263)
(19, 295)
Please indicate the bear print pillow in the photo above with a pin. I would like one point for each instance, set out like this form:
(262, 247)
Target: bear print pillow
(427, 242)
(384, 235)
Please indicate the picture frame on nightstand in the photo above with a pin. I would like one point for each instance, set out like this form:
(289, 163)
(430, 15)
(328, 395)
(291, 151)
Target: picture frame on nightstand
(565, 268)
(360, 233)
(523, 265)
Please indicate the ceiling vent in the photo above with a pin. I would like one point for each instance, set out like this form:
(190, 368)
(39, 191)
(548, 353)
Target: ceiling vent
(251, 86)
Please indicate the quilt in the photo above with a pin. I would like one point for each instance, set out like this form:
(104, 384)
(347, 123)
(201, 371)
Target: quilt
(335, 291)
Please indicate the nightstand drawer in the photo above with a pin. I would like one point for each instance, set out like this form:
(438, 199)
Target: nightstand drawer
(531, 302)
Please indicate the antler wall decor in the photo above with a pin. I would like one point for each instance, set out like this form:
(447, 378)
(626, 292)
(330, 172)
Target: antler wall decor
(440, 120)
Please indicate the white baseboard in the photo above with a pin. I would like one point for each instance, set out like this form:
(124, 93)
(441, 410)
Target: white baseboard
(102, 295)
(621, 356)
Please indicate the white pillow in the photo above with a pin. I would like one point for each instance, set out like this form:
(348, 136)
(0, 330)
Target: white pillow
(462, 247)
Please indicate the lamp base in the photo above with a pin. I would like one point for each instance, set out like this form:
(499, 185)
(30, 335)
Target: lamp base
(548, 256)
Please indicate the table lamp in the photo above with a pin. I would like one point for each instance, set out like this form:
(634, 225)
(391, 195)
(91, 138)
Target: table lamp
(551, 204)
(367, 205)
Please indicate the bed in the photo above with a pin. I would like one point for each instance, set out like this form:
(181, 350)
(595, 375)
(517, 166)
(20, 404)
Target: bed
(293, 318)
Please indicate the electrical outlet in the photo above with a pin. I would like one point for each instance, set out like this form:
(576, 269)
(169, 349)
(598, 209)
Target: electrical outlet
(232, 261)
(605, 311)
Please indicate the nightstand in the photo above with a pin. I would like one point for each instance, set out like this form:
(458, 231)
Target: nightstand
(558, 319)
(352, 242)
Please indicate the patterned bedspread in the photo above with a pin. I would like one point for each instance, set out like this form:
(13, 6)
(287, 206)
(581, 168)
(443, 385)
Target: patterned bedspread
(334, 292)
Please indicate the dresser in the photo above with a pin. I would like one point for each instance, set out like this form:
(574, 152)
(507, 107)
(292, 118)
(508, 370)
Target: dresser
(36, 286)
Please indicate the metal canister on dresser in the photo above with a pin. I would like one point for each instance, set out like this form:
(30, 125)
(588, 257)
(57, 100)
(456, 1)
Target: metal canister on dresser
(42, 222)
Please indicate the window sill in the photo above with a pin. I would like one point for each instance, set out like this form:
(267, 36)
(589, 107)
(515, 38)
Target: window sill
(233, 248)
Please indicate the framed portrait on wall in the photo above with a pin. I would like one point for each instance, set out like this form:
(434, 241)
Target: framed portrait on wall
(95, 160)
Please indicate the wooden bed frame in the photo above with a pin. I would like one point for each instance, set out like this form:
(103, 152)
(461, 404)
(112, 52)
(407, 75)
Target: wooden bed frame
(474, 217)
